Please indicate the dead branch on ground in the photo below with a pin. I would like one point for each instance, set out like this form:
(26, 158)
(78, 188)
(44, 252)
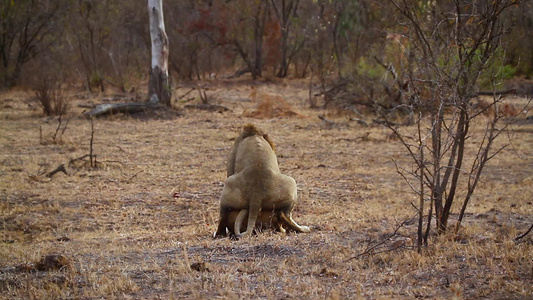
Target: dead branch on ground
(371, 250)
(328, 122)
(134, 175)
(60, 168)
(518, 238)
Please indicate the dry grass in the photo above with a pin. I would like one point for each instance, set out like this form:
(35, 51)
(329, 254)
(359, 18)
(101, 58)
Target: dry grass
(269, 106)
(133, 227)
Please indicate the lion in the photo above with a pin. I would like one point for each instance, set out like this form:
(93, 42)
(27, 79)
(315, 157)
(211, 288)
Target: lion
(255, 189)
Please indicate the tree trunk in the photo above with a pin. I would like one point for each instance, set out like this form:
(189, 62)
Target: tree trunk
(259, 32)
(285, 13)
(159, 82)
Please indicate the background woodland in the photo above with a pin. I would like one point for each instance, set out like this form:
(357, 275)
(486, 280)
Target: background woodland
(106, 43)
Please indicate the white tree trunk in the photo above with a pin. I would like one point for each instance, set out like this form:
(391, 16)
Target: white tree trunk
(159, 83)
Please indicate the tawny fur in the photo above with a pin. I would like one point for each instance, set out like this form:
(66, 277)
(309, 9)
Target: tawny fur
(248, 131)
(256, 184)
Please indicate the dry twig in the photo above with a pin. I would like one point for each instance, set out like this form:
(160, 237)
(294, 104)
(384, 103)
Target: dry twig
(518, 238)
(60, 168)
(370, 250)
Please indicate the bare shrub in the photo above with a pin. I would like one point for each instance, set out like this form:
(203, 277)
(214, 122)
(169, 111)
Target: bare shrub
(51, 97)
(57, 136)
(439, 86)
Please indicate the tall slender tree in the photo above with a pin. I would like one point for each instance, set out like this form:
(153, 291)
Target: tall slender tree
(159, 83)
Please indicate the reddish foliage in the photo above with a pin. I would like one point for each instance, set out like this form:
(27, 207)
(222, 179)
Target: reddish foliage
(272, 41)
(205, 21)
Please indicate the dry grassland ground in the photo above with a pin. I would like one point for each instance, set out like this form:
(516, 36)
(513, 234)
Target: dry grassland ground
(140, 225)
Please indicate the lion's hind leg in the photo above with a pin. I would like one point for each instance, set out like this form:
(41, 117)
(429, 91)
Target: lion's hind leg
(276, 224)
(274, 221)
(286, 218)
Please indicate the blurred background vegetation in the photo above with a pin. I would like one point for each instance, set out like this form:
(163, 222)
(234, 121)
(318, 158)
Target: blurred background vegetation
(104, 43)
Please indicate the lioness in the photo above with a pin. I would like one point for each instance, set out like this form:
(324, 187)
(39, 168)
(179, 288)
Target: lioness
(255, 184)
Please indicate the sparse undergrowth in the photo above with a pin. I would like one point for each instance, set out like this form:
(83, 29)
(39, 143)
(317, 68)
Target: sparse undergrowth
(140, 224)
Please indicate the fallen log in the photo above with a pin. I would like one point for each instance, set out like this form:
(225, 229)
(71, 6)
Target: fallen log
(125, 108)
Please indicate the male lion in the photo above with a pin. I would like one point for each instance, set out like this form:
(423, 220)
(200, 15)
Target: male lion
(255, 184)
